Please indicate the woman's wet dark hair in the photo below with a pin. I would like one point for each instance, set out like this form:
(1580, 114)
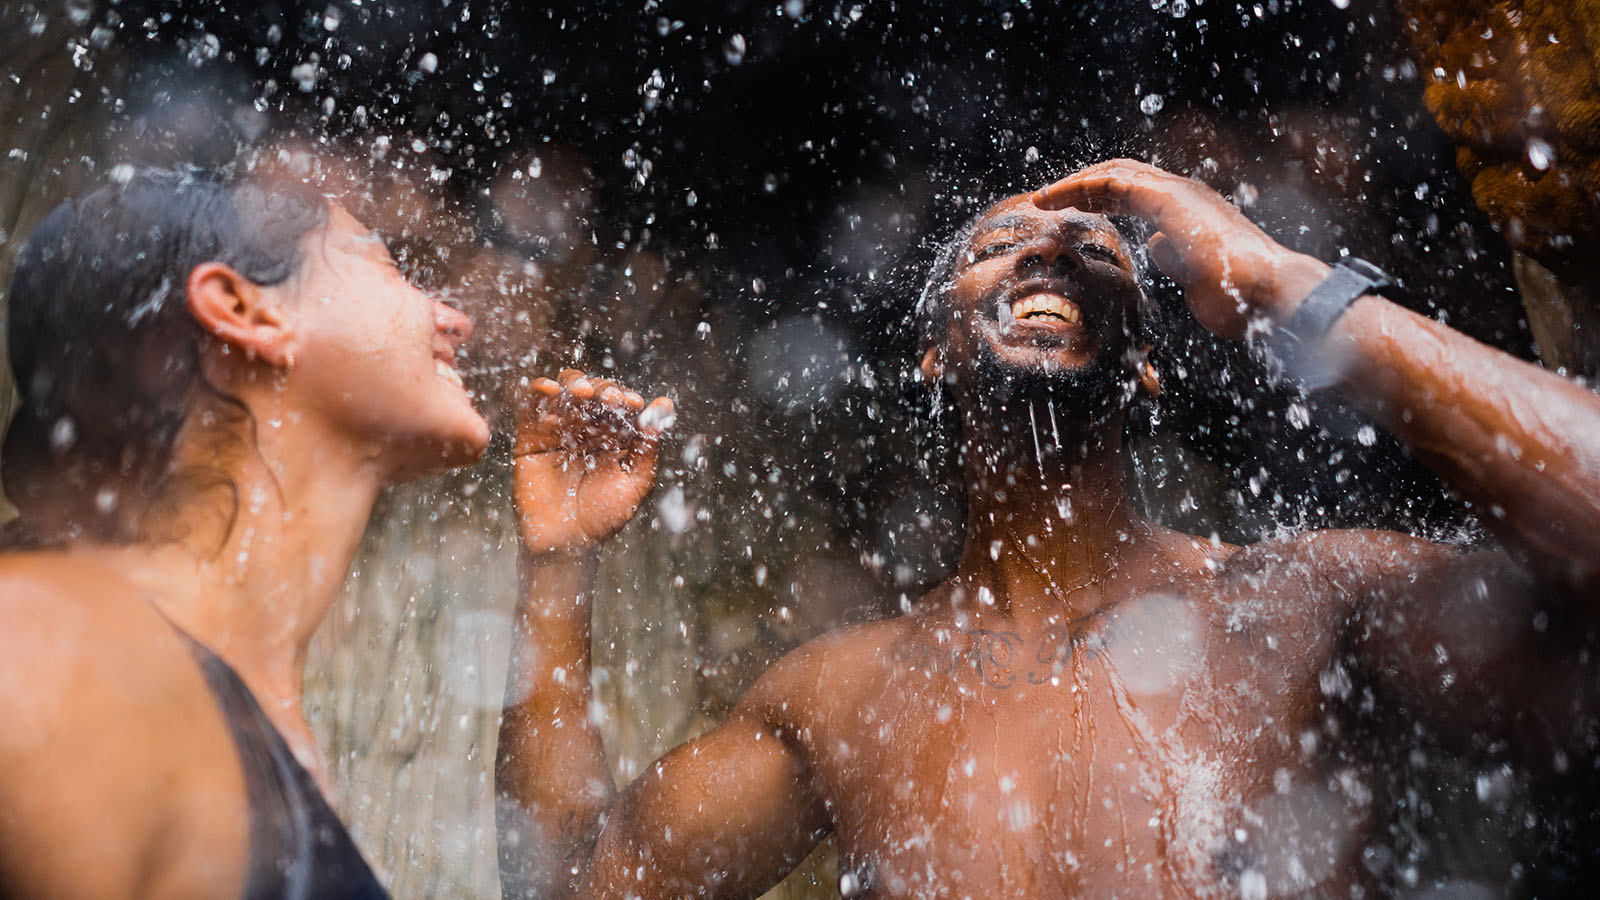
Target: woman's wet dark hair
(105, 352)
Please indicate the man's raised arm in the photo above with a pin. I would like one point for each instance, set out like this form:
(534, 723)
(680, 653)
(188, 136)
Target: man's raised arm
(725, 815)
(1521, 443)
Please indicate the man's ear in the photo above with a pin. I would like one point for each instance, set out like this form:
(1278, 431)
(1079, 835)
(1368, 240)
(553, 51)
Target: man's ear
(235, 310)
(1148, 378)
(932, 366)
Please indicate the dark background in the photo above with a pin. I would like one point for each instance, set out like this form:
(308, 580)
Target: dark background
(801, 159)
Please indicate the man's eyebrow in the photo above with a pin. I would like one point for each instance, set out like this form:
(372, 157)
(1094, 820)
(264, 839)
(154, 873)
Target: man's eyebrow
(1006, 221)
(1081, 222)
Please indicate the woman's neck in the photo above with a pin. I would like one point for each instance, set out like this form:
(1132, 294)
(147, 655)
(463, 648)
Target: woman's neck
(253, 579)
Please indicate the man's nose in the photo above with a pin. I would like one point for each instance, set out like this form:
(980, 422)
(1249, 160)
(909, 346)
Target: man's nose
(1050, 255)
(452, 323)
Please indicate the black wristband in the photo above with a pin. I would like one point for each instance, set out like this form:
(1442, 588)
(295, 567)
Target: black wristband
(1350, 279)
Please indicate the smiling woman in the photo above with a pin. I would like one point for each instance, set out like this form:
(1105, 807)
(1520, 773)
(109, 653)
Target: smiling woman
(218, 377)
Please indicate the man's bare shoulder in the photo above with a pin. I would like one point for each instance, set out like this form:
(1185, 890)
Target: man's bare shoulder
(832, 668)
(1331, 570)
(1334, 553)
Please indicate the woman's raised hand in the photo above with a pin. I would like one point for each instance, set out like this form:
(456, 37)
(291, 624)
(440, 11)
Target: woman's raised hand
(1230, 270)
(585, 458)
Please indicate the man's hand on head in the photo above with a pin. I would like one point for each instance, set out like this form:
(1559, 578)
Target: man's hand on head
(585, 459)
(1231, 272)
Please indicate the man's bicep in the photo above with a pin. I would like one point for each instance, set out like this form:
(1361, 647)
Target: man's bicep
(725, 815)
(1464, 641)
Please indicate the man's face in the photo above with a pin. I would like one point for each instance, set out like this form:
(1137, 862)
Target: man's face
(1042, 299)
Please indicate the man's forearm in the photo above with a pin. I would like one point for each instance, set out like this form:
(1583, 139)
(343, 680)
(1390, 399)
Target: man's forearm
(550, 772)
(1520, 442)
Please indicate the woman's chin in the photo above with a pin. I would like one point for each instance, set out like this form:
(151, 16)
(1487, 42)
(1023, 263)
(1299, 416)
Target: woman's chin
(477, 441)
(468, 444)
(461, 445)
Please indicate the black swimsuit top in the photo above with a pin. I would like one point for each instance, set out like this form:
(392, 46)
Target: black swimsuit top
(299, 850)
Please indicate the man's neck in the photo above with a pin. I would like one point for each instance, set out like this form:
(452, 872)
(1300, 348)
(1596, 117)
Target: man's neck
(1049, 516)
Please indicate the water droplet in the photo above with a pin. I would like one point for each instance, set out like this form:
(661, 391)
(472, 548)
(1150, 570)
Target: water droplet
(657, 418)
(733, 50)
(1299, 416)
(305, 76)
(1151, 104)
(1252, 884)
(675, 511)
(1540, 154)
(64, 434)
(428, 63)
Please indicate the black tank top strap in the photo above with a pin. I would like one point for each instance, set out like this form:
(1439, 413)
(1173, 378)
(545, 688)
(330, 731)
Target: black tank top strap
(299, 850)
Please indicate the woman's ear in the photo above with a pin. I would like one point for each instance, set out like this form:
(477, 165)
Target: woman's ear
(236, 311)
(932, 365)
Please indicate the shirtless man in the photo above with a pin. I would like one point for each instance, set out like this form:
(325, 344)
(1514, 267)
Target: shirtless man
(1092, 705)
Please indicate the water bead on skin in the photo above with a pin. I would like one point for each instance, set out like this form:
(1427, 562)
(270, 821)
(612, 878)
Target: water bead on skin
(658, 418)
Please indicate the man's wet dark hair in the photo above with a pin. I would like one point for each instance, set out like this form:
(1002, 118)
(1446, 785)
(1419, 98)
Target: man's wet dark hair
(106, 355)
(933, 305)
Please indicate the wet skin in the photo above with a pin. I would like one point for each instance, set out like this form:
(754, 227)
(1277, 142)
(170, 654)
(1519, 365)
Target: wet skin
(119, 777)
(1094, 705)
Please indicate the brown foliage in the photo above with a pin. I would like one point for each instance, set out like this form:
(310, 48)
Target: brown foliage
(1502, 75)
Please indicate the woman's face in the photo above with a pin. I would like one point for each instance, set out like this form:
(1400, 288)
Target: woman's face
(375, 356)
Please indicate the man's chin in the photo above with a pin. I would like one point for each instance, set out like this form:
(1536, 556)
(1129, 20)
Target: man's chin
(1093, 386)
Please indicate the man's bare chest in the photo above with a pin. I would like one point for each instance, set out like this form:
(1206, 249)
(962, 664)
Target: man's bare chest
(1133, 747)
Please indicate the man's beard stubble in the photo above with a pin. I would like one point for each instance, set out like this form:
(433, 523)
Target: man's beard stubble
(1073, 402)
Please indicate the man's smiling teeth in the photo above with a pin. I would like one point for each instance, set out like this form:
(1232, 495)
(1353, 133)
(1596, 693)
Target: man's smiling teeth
(447, 372)
(1042, 305)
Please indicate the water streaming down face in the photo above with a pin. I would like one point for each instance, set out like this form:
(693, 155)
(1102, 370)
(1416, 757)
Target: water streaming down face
(731, 204)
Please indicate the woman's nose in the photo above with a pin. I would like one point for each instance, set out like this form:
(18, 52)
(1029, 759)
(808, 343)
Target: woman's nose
(452, 323)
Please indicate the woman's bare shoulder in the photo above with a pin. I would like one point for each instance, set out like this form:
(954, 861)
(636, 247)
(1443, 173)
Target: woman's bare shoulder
(112, 738)
(65, 609)
(88, 658)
